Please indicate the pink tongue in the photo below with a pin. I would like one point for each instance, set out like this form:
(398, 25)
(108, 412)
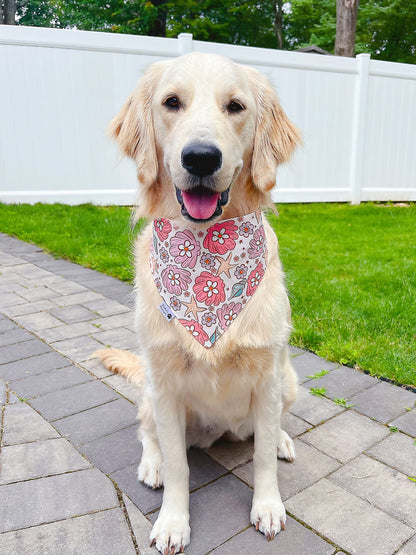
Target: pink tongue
(200, 207)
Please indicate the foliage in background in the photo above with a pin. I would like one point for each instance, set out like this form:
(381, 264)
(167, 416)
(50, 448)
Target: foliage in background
(350, 271)
(385, 28)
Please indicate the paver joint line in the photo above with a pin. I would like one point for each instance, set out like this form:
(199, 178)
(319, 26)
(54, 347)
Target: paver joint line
(55, 312)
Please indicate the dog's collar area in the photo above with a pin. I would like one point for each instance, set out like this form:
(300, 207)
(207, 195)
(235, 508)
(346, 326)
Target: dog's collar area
(200, 204)
(206, 276)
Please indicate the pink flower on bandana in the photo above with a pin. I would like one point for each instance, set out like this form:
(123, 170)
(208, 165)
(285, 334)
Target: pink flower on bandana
(195, 330)
(228, 313)
(257, 243)
(221, 237)
(255, 278)
(163, 228)
(209, 289)
(185, 248)
(175, 279)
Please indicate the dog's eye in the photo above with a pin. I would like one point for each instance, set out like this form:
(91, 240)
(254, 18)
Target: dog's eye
(172, 102)
(234, 107)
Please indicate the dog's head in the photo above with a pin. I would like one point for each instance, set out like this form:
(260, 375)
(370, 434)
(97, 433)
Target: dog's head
(207, 136)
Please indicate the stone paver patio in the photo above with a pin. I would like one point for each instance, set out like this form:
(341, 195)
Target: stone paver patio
(69, 447)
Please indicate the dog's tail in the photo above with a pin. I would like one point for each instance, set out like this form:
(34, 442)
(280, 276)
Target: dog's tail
(122, 362)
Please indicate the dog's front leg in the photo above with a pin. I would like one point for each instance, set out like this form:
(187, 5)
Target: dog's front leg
(171, 531)
(268, 513)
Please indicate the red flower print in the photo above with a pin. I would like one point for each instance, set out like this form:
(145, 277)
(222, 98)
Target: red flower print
(209, 289)
(163, 228)
(228, 313)
(185, 248)
(221, 237)
(254, 279)
(175, 279)
(195, 330)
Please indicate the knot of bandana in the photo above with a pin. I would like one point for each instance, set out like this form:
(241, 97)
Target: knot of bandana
(207, 277)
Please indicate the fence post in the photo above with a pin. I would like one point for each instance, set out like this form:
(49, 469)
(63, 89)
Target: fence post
(185, 43)
(358, 128)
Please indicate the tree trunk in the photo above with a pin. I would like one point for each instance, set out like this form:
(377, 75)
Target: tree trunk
(278, 22)
(346, 25)
(9, 11)
(158, 28)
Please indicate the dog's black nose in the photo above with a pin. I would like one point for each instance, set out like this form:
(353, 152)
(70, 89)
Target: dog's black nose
(201, 159)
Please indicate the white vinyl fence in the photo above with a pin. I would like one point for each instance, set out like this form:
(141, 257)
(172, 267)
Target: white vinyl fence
(60, 88)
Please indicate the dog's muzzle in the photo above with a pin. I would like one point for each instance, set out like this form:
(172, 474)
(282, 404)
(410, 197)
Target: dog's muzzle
(201, 202)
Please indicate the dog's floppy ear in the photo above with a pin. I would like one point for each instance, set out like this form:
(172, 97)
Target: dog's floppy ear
(275, 138)
(132, 128)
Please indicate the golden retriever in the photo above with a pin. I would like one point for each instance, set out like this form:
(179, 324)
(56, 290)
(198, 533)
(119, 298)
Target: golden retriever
(207, 136)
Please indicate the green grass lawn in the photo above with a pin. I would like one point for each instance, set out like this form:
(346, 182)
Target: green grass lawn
(351, 271)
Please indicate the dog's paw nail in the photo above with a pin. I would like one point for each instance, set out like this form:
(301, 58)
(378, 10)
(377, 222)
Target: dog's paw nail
(258, 525)
(153, 543)
(283, 525)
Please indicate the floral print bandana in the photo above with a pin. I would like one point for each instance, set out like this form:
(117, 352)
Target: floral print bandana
(206, 278)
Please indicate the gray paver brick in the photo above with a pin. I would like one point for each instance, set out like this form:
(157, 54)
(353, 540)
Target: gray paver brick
(67, 331)
(96, 367)
(307, 364)
(141, 527)
(406, 423)
(309, 466)
(97, 422)
(14, 336)
(123, 320)
(2, 393)
(40, 384)
(409, 548)
(77, 298)
(120, 384)
(23, 424)
(73, 314)
(10, 260)
(231, 454)
(6, 325)
(115, 451)
(54, 498)
(32, 366)
(344, 382)
(212, 505)
(37, 293)
(296, 540)
(383, 487)
(10, 299)
(314, 409)
(398, 451)
(348, 521)
(38, 459)
(64, 402)
(384, 401)
(346, 436)
(103, 533)
(38, 321)
(67, 287)
(106, 307)
(119, 337)
(78, 349)
(29, 308)
(33, 347)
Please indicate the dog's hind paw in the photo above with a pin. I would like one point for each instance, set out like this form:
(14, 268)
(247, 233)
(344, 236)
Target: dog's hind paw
(171, 533)
(285, 447)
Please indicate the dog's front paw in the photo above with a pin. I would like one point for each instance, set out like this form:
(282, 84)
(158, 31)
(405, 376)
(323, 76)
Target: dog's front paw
(285, 447)
(171, 533)
(268, 516)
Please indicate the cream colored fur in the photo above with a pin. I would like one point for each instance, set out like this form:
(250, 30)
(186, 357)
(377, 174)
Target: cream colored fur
(192, 395)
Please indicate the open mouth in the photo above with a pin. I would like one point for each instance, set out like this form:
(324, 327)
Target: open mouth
(201, 204)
